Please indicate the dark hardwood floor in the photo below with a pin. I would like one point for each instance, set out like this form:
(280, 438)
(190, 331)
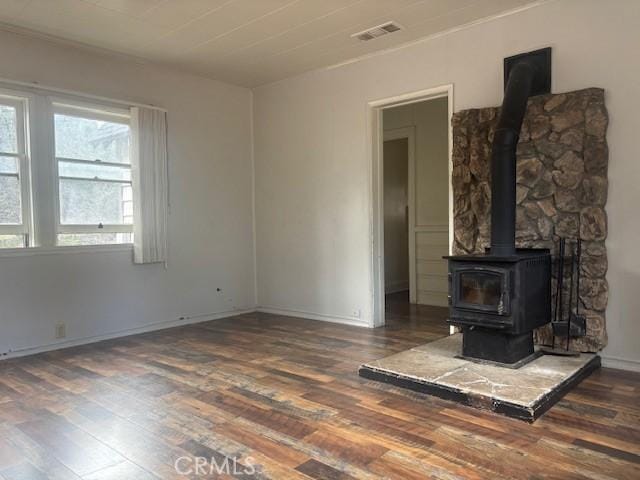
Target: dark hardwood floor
(283, 394)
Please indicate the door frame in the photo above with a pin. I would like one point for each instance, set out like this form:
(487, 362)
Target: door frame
(410, 134)
(375, 135)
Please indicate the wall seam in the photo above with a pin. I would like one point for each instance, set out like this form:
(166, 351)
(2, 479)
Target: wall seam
(253, 198)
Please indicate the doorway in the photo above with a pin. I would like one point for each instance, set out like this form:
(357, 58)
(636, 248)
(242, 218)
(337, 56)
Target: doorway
(397, 158)
(412, 205)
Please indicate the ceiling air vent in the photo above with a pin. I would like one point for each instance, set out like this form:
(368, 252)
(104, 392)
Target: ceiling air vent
(377, 31)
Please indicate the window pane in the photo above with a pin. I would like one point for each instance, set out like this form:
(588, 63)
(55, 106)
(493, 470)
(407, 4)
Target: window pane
(69, 239)
(10, 212)
(8, 130)
(90, 203)
(86, 139)
(12, 241)
(103, 172)
(8, 165)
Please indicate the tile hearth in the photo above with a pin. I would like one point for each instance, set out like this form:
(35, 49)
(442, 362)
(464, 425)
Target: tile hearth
(525, 393)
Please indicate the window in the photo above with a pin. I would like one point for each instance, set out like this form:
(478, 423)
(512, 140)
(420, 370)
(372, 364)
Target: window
(14, 174)
(71, 173)
(95, 197)
(65, 171)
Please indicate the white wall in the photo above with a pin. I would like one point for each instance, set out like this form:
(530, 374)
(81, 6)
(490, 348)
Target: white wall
(430, 121)
(210, 226)
(312, 166)
(396, 220)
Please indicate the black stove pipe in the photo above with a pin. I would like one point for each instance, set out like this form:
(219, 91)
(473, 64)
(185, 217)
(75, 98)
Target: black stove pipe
(503, 159)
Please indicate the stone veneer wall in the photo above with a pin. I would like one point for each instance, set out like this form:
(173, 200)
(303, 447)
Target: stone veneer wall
(561, 189)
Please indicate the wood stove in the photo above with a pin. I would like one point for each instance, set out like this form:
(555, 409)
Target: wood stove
(499, 298)
(498, 301)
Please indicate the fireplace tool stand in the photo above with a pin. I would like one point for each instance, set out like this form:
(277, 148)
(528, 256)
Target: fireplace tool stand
(575, 324)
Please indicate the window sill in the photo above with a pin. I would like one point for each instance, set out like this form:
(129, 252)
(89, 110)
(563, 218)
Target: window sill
(31, 251)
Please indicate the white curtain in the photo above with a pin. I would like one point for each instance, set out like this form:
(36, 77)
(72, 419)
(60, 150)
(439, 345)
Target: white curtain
(150, 189)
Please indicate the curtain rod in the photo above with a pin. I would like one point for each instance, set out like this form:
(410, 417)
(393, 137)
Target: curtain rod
(46, 88)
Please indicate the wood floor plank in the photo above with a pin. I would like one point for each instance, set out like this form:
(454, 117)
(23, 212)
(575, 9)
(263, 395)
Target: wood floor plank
(320, 471)
(122, 471)
(360, 452)
(23, 471)
(608, 451)
(34, 459)
(266, 417)
(74, 448)
(274, 450)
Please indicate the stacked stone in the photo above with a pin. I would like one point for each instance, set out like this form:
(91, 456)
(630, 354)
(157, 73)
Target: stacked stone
(561, 190)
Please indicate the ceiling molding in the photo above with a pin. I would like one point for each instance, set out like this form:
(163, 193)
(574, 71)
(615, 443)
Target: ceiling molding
(65, 42)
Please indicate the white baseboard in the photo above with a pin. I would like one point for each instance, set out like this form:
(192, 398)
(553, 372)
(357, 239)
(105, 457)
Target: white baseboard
(150, 327)
(288, 312)
(620, 363)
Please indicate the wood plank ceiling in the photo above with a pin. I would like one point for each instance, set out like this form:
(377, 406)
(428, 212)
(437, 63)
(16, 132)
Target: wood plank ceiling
(246, 42)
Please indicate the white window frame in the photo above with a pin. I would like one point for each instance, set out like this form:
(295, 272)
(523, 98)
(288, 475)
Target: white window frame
(20, 101)
(38, 167)
(91, 112)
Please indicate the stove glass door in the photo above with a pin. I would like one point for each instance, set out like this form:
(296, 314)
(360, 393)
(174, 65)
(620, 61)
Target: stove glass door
(483, 289)
(480, 288)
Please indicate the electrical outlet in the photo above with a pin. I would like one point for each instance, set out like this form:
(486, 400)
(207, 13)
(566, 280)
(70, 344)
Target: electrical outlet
(61, 330)
(356, 313)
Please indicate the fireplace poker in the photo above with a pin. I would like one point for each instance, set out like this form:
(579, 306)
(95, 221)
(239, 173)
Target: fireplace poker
(573, 262)
(578, 319)
(559, 287)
